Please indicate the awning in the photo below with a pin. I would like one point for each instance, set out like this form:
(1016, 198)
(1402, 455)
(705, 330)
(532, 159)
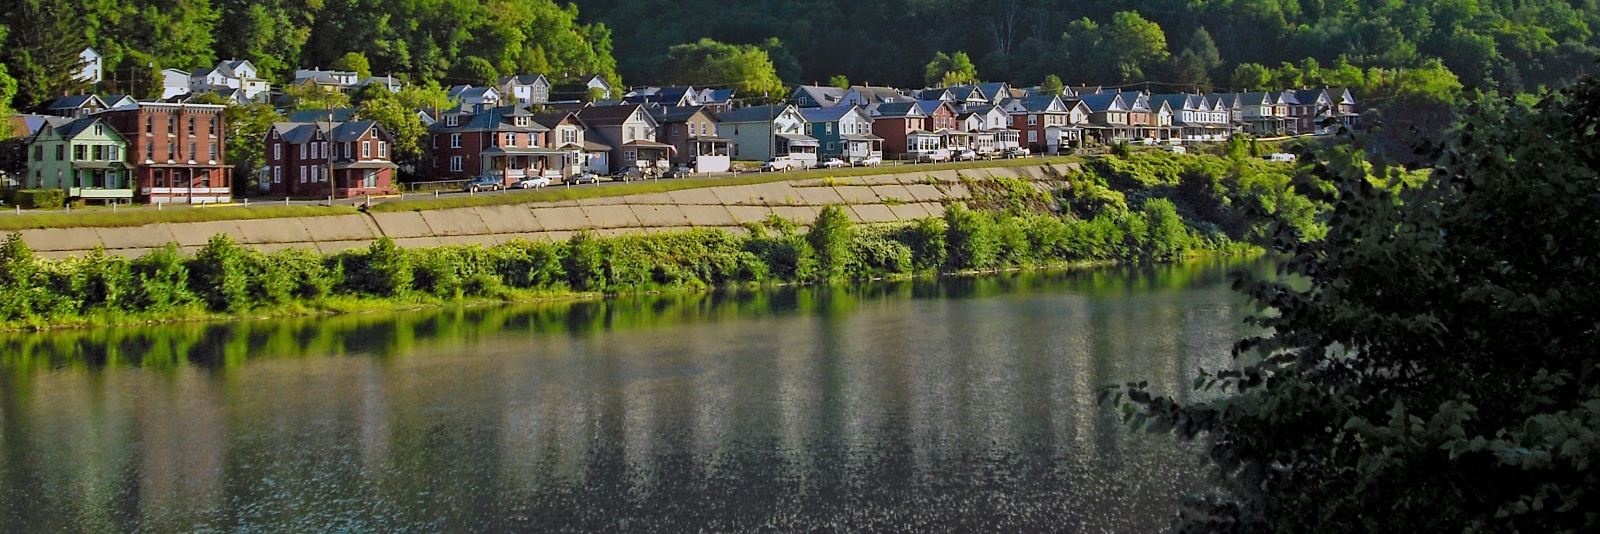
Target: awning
(97, 164)
(867, 137)
(711, 139)
(502, 151)
(799, 140)
(364, 165)
(640, 143)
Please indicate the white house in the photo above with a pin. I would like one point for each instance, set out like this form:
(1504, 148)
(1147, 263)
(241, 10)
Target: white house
(174, 83)
(231, 74)
(527, 88)
(93, 69)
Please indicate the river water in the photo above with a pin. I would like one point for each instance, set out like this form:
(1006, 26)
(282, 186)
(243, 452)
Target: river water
(958, 405)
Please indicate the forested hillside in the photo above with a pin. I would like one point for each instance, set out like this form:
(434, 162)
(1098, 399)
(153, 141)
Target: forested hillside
(449, 41)
(1510, 45)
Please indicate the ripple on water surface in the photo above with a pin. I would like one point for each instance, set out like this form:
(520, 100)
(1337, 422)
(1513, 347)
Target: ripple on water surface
(956, 405)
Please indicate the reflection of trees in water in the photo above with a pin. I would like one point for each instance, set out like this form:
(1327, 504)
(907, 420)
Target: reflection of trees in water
(909, 405)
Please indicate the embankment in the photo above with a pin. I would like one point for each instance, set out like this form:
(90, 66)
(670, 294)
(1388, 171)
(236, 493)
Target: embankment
(868, 199)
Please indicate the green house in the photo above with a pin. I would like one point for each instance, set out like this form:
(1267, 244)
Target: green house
(82, 156)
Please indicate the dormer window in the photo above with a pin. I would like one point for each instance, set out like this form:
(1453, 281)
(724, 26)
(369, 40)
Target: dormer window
(451, 120)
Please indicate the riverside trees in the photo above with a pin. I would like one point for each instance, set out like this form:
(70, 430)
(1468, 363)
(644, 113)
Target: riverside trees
(1431, 364)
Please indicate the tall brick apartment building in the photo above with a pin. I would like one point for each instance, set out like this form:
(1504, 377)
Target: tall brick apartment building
(177, 151)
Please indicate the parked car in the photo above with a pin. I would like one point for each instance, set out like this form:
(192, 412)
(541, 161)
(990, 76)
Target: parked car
(833, 163)
(627, 173)
(1281, 157)
(681, 171)
(484, 183)
(1175, 149)
(532, 183)
(963, 154)
(584, 178)
(871, 161)
(988, 153)
(1017, 152)
(780, 163)
(933, 156)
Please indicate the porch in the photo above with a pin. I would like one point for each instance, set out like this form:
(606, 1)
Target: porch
(511, 165)
(106, 181)
(861, 147)
(803, 148)
(710, 154)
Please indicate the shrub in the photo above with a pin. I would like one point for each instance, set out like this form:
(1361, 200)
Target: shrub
(1166, 235)
(103, 281)
(40, 198)
(876, 254)
(970, 238)
(219, 274)
(20, 287)
(831, 237)
(585, 262)
(161, 280)
(926, 240)
(383, 270)
(525, 264)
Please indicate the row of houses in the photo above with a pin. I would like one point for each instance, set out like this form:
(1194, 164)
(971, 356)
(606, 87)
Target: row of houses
(117, 148)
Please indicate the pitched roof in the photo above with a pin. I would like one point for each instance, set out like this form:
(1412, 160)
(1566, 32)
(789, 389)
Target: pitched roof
(929, 107)
(1037, 104)
(899, 109)
(550, 120)
(1103, 101)
(351, 131)
(75, 102)
(608, 115)
(480, 119)
(523, 79)
(666, 114)
(315, 115)
(823, 95)
(754, 113)
(832, 114)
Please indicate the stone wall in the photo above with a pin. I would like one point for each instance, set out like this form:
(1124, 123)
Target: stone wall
(869, 199)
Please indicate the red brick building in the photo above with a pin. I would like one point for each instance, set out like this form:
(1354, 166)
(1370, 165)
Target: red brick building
(176, 151)
(504, 142)
(318, 159)
(901, 125)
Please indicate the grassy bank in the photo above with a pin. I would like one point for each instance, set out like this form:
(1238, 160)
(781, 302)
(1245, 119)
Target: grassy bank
(100, 218)
(661, 186)
(1146, 208)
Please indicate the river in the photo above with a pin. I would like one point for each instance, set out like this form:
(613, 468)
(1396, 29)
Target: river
(962, 404)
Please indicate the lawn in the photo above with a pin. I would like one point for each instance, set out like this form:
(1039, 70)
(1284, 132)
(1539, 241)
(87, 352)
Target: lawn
(99, 218)
(558, 193)
(141, 217)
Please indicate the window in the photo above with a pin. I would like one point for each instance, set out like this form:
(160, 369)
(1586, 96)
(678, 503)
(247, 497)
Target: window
(830, 146)
(191, 150)
(277, 151)
(150, 150)
(38, 152)
(828, 128)
(1033, 136)
(383, 149)
(435, 140)
(277, 174)
(213, 128)
(172, 125)
(366, 149)
(77, 152)
(325, 153)
(302, 152)
(302, 174)
(455, 163)
(99, 152)
(511, 139)
(99, 129)
(455, 140)
(314, 151)
(149, 124)
(451, 121)
(1033, 120)
(212, 147)
(630, 136)
(371, 179)
(191, 126)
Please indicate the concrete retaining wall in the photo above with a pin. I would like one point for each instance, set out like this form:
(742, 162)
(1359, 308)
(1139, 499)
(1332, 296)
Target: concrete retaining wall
(868, 199)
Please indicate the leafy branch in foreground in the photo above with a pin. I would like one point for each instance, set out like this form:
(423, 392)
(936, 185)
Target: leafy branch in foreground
(1430, 364)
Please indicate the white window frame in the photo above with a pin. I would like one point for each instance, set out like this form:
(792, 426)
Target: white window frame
(366, 149)
(277, 174)
(303, 174)
(455, 140)
(383, 150)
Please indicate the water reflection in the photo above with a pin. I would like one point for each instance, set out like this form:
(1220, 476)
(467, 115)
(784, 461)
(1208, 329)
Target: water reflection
(963, 404)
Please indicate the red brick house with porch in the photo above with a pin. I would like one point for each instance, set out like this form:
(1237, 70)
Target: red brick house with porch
(503, 142)
(318, 159)
(176, 151)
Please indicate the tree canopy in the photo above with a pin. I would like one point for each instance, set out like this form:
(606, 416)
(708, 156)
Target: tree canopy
(707, 63)
(1429, 365)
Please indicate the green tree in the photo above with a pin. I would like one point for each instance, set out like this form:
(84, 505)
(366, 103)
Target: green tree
(1250, 77)
(1123, 50)
(1052, 85)
(748, 69)
(42, 51)
(401, 121)
(311, 97)
(356, 62)
(1429, 365)
(1194, 65)
(839, 80)
(832, 237)
(948, 70)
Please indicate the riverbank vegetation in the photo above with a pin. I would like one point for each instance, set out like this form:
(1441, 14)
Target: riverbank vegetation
(1434, 368)
(1150, 207)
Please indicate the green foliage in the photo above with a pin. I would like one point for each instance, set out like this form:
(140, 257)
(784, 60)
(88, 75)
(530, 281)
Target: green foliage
(219, 275)
(524, 264)
(1426, 365)
(354, 62)
(952, 69)
(1124, 50)
(1051, 85)
(39, 198)
(831, 237)
(162, 281)
(972, 241)
(401, 121)
(585, 262)
(383, 269)
(841, 81)
(746, 68)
